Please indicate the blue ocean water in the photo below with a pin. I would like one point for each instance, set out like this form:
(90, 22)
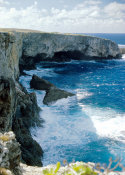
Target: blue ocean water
(119, 38)
(89, 126)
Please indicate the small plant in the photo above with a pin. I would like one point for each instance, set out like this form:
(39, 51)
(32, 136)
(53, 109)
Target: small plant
(52, 171)
(72, 169)
(83, 170)
(110, 167)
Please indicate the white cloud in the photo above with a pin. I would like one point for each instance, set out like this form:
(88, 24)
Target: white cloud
(2, 2)
(85, 17)
(115, 10)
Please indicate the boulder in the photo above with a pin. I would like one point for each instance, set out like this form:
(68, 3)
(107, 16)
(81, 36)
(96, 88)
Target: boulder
(52, 92)
(40, 84)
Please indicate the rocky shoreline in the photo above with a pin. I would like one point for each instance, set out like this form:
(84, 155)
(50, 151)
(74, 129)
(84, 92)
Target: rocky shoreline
(21, 49)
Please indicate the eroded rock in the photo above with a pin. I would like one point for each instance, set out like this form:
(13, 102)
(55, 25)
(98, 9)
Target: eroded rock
(52, 92)
(26, 116)
(10, 53)
(40, 84)
(42, 46)
(10, 153)
(7, 103)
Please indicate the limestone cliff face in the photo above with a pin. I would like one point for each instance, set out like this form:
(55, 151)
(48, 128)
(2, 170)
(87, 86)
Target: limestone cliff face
(16, 105)
(49, 43)
(28, 47)
(64, 47)
(10, 52)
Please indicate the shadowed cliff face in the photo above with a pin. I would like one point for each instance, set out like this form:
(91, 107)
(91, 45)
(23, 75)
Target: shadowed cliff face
(7, 104)
(26, 116)
(18, 112)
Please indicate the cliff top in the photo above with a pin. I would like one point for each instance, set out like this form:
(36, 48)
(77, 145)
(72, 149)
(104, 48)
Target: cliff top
(37, 31)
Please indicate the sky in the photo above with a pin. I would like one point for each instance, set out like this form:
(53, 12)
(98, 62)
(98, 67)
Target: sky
(66, 16)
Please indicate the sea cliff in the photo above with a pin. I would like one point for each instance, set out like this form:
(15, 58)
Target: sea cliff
(21, 49)
(29, 47)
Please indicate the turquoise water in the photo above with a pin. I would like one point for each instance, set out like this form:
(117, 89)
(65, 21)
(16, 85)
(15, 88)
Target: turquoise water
(89, 126)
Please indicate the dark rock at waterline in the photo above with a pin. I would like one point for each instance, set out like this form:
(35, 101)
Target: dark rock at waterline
(18, 112)
(31, 150)
(40, 84)
(52, 92)
(26, 116)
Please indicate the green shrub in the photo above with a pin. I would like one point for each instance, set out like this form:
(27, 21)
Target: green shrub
(52, 171)
(72, 169)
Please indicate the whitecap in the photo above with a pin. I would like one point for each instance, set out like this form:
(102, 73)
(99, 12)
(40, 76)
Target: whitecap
(108, 122)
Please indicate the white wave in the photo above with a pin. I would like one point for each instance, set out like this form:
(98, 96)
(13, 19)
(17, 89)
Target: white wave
(81, 94)
(41, 72)
(107, 122)
(123, 56)
(64, 102)
(25, 81)
(62, 128)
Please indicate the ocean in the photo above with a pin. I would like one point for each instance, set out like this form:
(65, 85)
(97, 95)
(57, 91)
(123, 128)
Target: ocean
(119, 38)
(89, 126)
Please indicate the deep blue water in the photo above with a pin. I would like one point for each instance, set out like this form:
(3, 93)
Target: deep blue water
(89, 126)
(119, 38)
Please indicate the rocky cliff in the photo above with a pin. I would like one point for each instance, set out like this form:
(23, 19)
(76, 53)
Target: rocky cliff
(10, 52)
(64, 47)
(18, 109)
(29, 46)
(50, 44)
